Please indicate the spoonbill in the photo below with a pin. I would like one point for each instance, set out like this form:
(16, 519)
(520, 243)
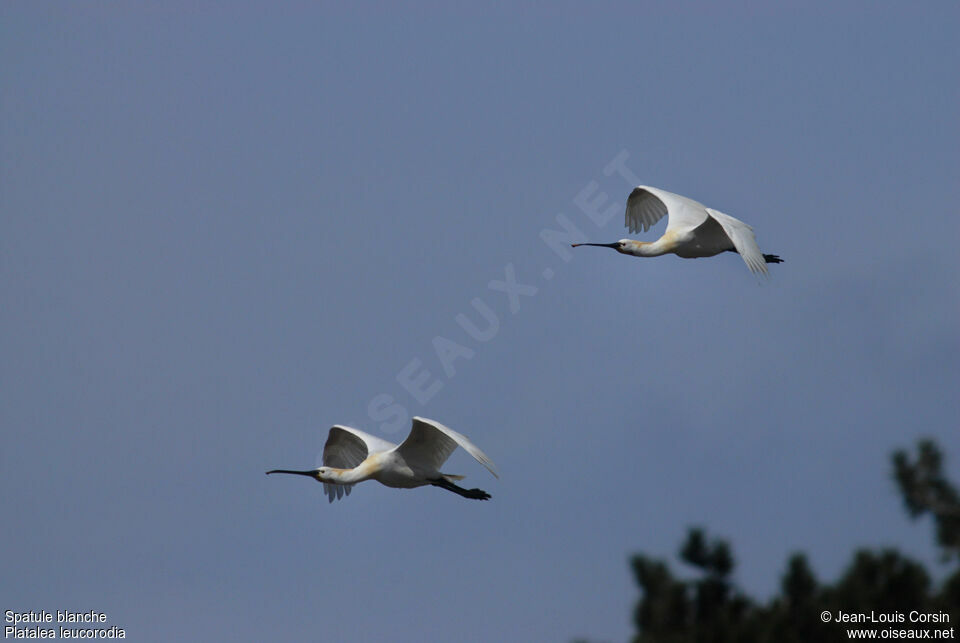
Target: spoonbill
(693, 230)
(351, 456)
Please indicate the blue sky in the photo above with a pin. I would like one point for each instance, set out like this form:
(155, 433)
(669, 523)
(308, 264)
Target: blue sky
(224, 229)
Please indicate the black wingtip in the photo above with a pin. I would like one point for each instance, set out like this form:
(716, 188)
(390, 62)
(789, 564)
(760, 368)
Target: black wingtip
(772, 259)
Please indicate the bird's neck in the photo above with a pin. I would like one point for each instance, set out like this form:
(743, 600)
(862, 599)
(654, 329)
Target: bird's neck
(647, 249)
(361, 472)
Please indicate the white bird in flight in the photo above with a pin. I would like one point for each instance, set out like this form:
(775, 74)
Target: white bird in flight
(693, 230)
(351, 456)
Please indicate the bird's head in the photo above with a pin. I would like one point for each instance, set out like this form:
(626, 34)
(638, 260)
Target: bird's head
(620, 246)
(324, 474)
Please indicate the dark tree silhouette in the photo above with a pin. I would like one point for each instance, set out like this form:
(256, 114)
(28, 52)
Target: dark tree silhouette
(710, 609)
(926, 490)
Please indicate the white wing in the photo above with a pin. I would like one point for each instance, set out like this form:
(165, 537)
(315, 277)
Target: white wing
(743, 240)
(346, 448)
(431, 443)
(647, 205)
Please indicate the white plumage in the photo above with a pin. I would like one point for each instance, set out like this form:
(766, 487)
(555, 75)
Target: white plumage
(693, 230)
(351, 456)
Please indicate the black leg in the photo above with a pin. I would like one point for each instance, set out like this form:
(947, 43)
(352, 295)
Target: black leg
(766, 258)
(474, 494)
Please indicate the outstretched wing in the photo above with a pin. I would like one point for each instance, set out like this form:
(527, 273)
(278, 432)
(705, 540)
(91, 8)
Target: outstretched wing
(647, 205)
(346, 448)
(743, 240)
(431, 443)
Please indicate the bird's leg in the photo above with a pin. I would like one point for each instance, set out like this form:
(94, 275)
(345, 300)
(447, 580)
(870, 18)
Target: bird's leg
(766, 258)
(474, 494)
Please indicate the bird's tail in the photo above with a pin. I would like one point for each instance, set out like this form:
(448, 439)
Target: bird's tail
(451, 477)
(772, 259)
